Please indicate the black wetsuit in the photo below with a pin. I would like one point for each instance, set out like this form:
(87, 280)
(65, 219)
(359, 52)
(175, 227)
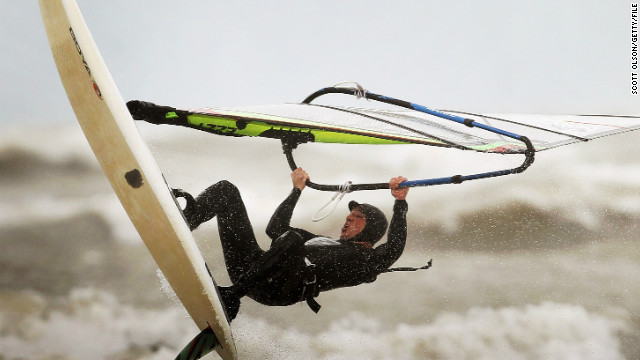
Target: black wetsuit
(283, 275)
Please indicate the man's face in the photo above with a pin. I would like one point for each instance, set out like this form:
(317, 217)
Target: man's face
(354, 224)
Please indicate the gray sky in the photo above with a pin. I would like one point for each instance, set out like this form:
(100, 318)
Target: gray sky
(497, 56)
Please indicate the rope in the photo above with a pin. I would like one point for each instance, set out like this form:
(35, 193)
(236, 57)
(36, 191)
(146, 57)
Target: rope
(335, 199)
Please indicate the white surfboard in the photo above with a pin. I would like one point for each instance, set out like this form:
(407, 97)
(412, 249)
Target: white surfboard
(131, 169)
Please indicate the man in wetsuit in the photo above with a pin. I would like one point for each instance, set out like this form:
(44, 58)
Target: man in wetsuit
(299, 264)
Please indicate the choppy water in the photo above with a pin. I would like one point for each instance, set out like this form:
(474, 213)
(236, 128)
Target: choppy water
(541, 265)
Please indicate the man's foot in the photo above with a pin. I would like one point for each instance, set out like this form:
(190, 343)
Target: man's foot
(231, 302)
(190, 209)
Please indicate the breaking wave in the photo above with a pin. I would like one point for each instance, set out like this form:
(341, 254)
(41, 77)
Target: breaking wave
(89, 323)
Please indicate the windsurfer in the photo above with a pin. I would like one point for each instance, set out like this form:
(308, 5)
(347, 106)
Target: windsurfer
(299, 264)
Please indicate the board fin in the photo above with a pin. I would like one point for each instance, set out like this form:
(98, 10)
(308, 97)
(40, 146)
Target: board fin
(201, 345)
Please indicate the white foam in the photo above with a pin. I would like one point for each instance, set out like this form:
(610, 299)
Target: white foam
(545, 331)
(92, 324)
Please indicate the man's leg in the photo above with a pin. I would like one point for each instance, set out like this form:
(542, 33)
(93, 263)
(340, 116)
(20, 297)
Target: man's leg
(276, 277)
(223, 201)
(250, 268)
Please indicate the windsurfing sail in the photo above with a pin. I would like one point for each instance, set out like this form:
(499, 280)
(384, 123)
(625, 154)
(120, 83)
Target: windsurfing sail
(405, 123)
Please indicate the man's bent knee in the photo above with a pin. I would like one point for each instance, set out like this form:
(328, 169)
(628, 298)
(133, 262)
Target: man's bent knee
(290, 238)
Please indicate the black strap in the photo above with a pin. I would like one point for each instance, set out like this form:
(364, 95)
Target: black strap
(313, 304)
(410, 268)
(310, 288)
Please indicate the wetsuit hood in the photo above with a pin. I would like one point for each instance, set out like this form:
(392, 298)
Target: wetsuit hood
(376, 226)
